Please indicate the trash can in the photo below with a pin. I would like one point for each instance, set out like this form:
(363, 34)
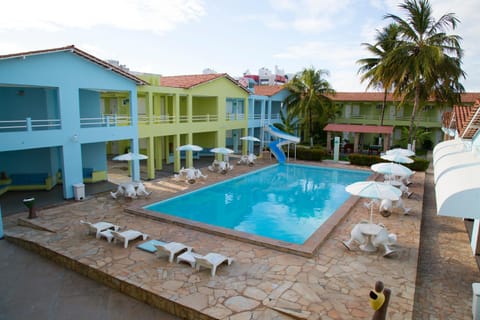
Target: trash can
(79, 191)
(476, 301)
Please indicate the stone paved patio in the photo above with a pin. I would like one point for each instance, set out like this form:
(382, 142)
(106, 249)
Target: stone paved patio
(334, 284)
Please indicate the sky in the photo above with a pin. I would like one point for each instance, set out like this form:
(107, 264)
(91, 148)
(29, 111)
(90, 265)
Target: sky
(180, 37)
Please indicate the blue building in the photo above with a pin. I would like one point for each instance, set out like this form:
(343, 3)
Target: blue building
(53, 128)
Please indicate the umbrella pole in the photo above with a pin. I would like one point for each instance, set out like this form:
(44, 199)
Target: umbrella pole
(371, 211)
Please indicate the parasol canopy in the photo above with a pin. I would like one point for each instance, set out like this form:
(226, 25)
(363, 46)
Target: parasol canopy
(401, 151)
(374, 190)
(189, 147)
(395, 157)
(392, 169)
(130, 156)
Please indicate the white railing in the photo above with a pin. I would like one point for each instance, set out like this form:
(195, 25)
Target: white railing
(105, 121)
(166, 119)
(387, 117)
(258, 116)
(235, 116)
(29, 124)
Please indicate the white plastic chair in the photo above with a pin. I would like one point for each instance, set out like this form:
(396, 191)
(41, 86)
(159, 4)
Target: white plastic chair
(98, 227)
(211, 261)
(128, 235)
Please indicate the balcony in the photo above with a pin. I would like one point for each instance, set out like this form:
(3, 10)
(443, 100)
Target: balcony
(388, 120)
(167, 119)
(111, 120)
(29, 124)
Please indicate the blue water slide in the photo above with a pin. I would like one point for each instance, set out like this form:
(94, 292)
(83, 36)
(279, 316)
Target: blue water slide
(276, 146)
(277, 151)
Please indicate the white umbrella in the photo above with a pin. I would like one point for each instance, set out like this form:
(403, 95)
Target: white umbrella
(130, 156)
(189, 147)
(392, 169)
(250, 138)
(222, 150)
(401, 151)
(374, 190)
(395, 157)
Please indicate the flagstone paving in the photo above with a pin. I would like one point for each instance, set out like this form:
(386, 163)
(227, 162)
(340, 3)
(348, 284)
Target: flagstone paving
(333, 284)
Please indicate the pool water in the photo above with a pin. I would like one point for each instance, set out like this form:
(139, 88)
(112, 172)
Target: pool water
(286, 202)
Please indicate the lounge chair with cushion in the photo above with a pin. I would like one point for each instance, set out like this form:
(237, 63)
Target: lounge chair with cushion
(127, 236)
(171, 249)
(211, 261)
(98, 227)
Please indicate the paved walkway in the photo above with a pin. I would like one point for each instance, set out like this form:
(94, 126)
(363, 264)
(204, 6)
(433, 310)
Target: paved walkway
(446, 267)
(333, 284)
(34, 287)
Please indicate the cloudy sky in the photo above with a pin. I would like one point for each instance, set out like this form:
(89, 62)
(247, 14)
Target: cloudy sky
(173, 37)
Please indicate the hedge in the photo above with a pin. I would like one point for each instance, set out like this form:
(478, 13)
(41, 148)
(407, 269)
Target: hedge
(419, 164)
(315, 154)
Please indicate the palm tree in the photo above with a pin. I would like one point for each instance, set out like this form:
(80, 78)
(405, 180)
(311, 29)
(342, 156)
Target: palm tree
(289, 122)
(426, 63)
(309, 98)
(373, 68)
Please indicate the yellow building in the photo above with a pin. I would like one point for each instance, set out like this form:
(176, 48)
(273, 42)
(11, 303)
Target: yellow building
(208, 110)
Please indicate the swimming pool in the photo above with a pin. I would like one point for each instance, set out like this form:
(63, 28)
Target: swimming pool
(286, 202)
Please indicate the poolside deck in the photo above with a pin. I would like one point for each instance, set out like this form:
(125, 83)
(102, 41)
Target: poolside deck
(333, 284)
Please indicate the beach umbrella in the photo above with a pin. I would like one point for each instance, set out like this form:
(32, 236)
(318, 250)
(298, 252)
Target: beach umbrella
(250, 138)
(189, 147)
(222, 150)
(130, 156)
(401, 151)
(396, 157)
(392, 169)
(374, 190)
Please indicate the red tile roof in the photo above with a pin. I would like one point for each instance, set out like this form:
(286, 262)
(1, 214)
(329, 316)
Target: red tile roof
(80, 53)
(190, 81)
(467, 120)
(267, 90)
(469, 97)
(358, 128)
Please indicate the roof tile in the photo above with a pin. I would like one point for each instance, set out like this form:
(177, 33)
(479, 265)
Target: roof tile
(268, 90)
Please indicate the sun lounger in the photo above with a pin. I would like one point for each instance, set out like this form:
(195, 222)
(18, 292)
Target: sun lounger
(127, 236)
(99, 227)
(211, 261)
(171, 249)
(189, 257)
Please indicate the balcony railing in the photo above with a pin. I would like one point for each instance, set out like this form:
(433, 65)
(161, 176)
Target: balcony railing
(389, 118)
(105, 121)
(29, 124)
(166, 119)
(258, 116)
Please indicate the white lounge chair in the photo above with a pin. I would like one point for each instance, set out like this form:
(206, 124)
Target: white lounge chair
(171, 249)
(386, 240)
(98, 227)
(141, 191)
(355, 235)
(128, 235)
(211, 261)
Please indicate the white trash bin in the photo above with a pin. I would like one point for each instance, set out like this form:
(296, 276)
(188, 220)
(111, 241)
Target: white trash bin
(79, 191)
(476, 301)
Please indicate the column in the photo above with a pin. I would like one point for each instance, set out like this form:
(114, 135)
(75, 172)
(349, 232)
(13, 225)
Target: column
(356, 141)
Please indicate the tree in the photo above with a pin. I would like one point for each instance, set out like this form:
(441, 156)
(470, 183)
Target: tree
(309, 99)
(426, 63)
(289, 122)
(373, 69)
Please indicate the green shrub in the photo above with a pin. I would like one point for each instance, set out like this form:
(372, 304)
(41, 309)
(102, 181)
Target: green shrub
(314, 154)
(419, 164)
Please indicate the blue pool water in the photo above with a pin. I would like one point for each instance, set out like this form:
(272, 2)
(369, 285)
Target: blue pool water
(284, 202)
